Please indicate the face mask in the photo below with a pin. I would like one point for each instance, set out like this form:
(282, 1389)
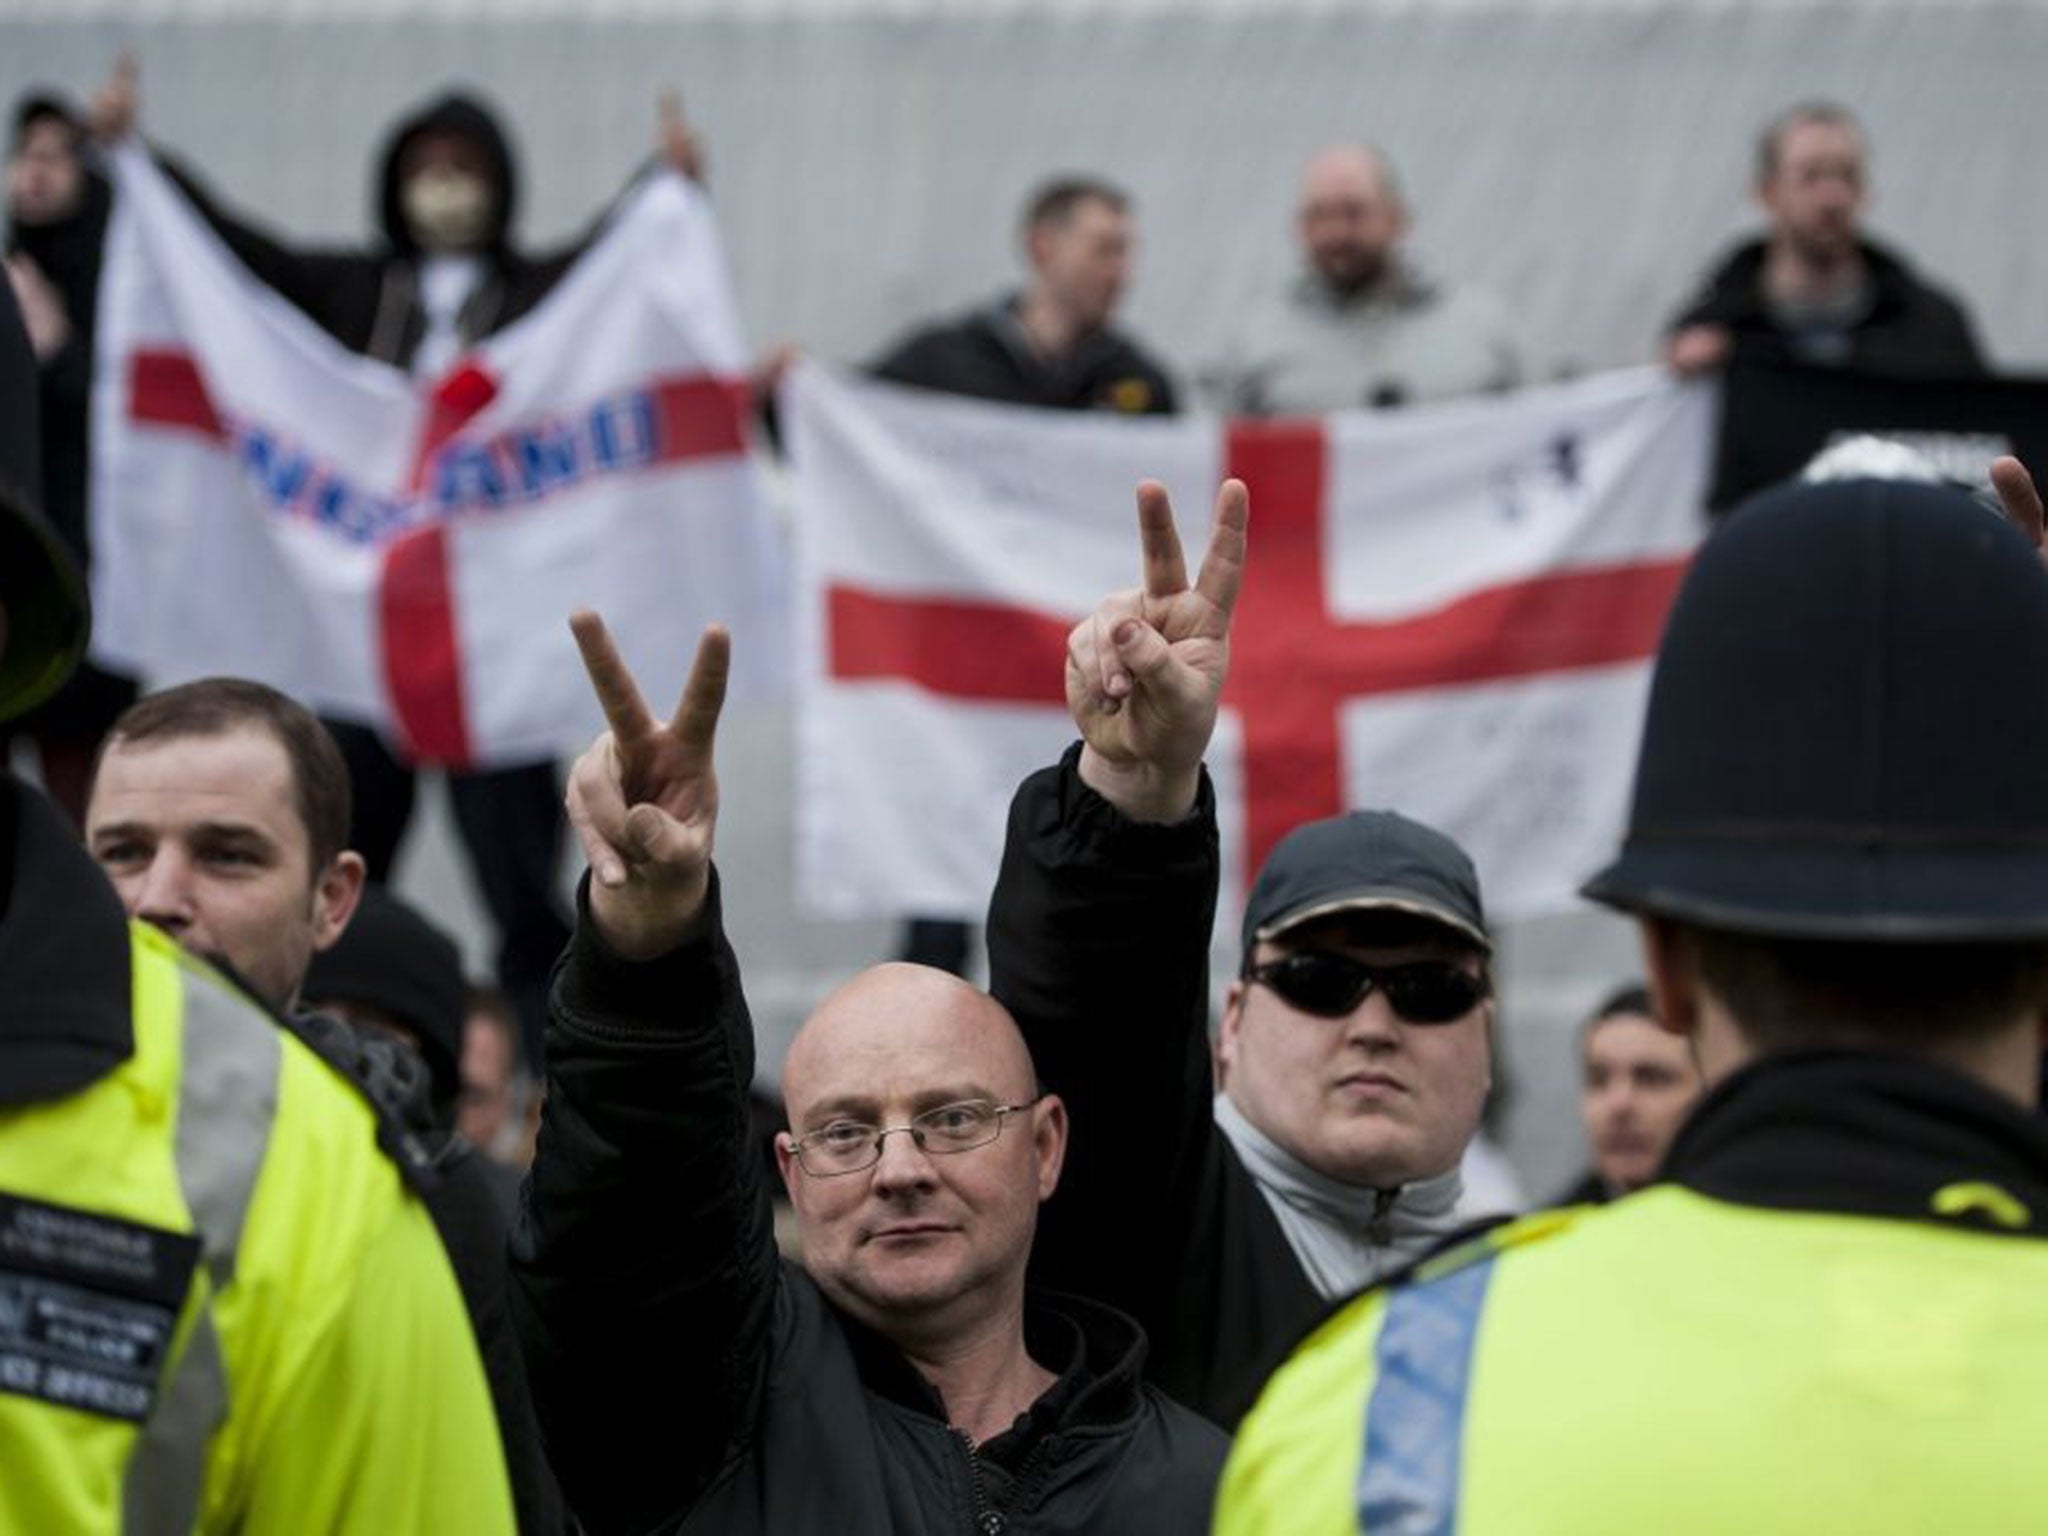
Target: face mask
(446, 210)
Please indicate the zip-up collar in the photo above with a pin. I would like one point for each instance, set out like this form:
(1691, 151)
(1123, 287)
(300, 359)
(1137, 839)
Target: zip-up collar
(1345, 1235)
(1738, 283)
(1004, 321)
(1098, 1352)
(1865, 1134)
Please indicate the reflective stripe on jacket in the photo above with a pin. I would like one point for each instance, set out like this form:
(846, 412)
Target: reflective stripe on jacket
(1671, 1363)
(219, 1307)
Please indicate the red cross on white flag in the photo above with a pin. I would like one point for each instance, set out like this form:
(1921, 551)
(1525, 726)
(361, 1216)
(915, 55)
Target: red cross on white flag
(405, 553)
(1449, 610)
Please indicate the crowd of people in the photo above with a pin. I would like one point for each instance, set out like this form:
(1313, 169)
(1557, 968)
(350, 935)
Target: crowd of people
(1057, 1255)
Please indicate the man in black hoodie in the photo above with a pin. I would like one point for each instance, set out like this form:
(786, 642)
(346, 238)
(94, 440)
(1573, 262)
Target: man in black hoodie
(1814, 290)
(444, 275)
(56, 223)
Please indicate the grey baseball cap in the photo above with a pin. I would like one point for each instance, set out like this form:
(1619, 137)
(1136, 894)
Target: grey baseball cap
(1365, 861)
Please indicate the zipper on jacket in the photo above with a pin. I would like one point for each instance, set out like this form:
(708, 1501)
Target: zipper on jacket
(1379, 1231)
(988, 1520)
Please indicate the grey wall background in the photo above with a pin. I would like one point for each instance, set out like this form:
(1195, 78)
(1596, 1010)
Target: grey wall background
(1582, 158)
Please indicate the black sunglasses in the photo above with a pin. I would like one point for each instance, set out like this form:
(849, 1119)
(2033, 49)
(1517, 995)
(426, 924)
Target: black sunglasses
(1330, 986)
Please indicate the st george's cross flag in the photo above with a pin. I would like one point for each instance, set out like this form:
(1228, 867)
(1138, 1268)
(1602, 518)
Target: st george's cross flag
(1448, 610)
(405, 553)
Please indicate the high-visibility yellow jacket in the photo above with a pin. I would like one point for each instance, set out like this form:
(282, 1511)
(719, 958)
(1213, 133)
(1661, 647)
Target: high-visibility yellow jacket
(1863, 1353)
(220, 1309)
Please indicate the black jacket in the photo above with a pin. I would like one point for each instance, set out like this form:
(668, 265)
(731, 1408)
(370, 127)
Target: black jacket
(458, 1186)
(368, 300)
(67, 252)
(686, 1378)
(987, 355)
(1155, 1213)
(1912, 328)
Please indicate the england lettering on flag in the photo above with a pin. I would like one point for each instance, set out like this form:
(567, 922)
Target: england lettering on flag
(1450, 610)
(270, 505)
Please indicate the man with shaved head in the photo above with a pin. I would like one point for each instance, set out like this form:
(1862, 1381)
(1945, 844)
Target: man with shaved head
(1361, 328)
(902, 1379)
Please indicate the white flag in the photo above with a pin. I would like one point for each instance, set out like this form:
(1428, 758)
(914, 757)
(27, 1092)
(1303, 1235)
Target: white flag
(1449, 610)
(270, 505)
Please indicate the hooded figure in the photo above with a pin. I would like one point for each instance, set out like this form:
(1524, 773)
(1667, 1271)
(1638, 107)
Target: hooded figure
(446, 191)
(442, 275)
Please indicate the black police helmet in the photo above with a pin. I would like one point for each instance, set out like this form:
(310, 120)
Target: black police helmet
(1848, 727)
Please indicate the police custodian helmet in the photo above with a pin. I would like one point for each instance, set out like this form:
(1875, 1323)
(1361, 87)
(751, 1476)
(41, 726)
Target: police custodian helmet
(1847, 735)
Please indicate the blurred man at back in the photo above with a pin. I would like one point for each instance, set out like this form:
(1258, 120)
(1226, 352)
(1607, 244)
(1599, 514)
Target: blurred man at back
(1361, 327)
(1054, 342)
(1816, 289)
(1051, 344)
(1637, 1080)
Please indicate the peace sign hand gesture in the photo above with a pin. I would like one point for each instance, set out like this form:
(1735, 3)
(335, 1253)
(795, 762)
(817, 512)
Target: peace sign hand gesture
(1145, 670)
(644, 798)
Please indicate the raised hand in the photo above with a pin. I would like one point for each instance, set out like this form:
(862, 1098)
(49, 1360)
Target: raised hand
(644, 798)
(679, 143)
(1145, 670)
(114, 106)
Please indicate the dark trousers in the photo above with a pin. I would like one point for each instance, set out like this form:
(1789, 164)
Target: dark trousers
(510, 823)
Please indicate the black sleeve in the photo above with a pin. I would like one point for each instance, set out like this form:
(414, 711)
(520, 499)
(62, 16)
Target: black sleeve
(644, 1264)
(67, 374)
(917, 359)
(469, 1215)
(311, 279)
(1098, 939)
(1706, 305)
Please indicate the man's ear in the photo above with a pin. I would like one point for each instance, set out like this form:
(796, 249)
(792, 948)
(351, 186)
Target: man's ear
(1671, 965)
(785, 1161)
(335, 895)
(1228, 1029)
(1049, 1138)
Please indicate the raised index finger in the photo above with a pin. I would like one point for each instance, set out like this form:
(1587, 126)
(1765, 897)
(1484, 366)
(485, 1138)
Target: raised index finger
(1166, 569)
(624, 710)
(1223, 564)
(696, 720)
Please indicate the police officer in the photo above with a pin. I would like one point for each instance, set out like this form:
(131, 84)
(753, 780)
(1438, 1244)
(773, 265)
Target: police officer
(1828, 1316)
(219, 1307)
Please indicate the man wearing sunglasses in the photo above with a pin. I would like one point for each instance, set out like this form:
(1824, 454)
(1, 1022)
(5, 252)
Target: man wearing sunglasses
(902, 1379)
(1352, 1059)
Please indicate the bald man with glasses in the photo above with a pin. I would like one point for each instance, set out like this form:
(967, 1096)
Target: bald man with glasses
(902, 1378)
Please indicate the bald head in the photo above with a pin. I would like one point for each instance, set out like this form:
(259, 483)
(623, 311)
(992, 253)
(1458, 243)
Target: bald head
(895, 1022)
(930, 1242)
(1351, 215)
